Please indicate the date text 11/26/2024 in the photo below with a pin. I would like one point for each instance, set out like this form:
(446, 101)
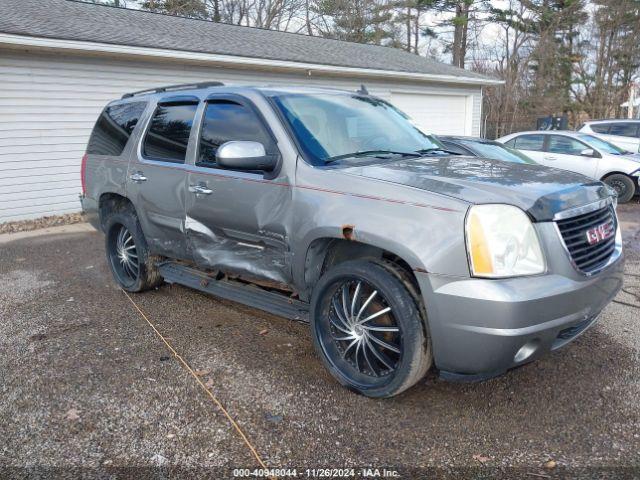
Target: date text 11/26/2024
(367, 472)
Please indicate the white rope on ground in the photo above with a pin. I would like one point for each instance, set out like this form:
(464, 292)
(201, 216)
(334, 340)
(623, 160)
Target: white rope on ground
(235, 425)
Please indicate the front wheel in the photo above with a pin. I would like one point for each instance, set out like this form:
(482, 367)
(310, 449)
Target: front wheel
(368, 330)
(624, 186)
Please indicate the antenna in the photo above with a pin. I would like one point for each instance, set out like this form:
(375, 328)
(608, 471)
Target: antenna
(363, 90)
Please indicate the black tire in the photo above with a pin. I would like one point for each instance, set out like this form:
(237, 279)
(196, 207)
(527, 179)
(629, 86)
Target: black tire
(145, 275)
(624, 186)
(362, 370)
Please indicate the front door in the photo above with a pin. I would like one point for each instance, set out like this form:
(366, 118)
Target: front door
(157, 177)
(566, 153)
(236, 221)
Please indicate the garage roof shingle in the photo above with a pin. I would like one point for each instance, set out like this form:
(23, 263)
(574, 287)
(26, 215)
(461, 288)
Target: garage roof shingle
(73, 20)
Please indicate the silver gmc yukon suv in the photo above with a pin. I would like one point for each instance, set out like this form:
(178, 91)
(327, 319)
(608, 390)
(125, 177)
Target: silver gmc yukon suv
(331, 208)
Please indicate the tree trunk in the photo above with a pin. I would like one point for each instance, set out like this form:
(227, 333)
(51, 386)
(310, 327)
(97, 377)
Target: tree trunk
(216, 10)
(408, 28)
(459, 49)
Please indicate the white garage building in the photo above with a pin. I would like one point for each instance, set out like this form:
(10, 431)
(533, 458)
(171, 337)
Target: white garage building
(61, 61)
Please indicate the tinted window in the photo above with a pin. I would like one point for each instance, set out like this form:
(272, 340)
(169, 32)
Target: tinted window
(225, 121)
(624, 129)
(114, 127)
(565, 145)
(168, 134)
(530, 142)
(452, 147)
(495, 151)
(600, 127)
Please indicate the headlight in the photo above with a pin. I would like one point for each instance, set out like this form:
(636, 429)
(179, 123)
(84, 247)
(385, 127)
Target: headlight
(502, 242)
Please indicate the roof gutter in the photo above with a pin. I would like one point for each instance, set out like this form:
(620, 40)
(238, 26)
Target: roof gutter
(76, 46)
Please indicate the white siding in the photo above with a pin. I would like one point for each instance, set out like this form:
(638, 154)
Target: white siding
(49, 103)
(438, 114)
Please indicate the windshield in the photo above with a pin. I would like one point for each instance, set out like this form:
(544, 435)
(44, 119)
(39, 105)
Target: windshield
(603, 145)
(337, 126)
(496, 151)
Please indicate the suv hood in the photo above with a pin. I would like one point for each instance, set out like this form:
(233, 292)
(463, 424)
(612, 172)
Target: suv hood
(540, 191)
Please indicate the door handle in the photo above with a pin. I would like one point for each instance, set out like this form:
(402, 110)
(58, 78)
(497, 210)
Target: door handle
(549, 157)
(200, 189)
(138, 177)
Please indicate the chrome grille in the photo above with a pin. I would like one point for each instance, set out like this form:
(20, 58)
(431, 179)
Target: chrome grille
(588, 258)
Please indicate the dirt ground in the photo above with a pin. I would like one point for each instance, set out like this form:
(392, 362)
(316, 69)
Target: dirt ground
(89, 389)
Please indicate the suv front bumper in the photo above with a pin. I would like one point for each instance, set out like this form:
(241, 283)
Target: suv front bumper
(480, 328)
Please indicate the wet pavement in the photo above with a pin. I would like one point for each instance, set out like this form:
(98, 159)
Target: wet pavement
(86, 384)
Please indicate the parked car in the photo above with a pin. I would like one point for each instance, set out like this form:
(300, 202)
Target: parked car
(481, 147)
(623, 133)
(581, 153)
(331, 207)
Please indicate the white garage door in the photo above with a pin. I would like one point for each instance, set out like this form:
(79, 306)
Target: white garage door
(438, 114)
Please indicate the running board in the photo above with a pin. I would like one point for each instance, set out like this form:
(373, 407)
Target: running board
(249, 295)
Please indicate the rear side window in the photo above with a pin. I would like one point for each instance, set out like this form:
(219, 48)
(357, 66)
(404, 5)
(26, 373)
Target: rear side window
(226, 121)
(600, 127)
(113, 128)
(530, 142)
(624, 129)
(168, 134)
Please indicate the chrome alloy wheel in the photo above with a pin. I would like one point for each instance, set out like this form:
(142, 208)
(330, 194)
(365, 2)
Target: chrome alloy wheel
(125, 256)
(364, 329)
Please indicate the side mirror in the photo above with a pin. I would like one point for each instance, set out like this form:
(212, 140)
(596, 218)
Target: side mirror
(237, 155)
(588, 152)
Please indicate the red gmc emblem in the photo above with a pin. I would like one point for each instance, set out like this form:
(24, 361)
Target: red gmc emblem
(599, 233)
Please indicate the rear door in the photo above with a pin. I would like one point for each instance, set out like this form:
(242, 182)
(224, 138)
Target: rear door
(531, 144)
(237, 220)
(565, 152)
(157, 175)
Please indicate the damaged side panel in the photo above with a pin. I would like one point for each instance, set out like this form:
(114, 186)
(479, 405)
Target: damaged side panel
(213, 248)
(241, 227)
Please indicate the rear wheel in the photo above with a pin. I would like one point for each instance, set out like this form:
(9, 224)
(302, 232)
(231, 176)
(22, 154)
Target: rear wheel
(368, 330)
(623, 185)
(128, 255)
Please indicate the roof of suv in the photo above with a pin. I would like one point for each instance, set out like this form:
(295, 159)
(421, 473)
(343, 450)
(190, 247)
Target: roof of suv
(614, 120)
(217, 87)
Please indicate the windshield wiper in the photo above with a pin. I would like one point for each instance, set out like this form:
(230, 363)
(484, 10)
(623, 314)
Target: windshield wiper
(371, 153)
(426, 151)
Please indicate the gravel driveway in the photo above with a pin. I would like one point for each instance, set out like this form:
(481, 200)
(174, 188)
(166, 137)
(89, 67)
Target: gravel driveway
(88, 388)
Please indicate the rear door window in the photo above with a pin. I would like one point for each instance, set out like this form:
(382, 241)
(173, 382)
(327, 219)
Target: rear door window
(600, 127)
(114, 127)
(168, 134)
(533, 142)
(624, 129)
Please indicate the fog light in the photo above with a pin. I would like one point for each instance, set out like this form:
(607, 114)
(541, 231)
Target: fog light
(527, 350)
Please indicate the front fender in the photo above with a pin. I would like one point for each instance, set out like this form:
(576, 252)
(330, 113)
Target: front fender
(426, 239)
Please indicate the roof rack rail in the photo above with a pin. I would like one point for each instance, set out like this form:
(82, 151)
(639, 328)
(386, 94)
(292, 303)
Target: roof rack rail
(171, 88)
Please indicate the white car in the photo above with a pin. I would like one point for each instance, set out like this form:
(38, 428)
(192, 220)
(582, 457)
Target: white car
(623, 133)
(581, 153)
